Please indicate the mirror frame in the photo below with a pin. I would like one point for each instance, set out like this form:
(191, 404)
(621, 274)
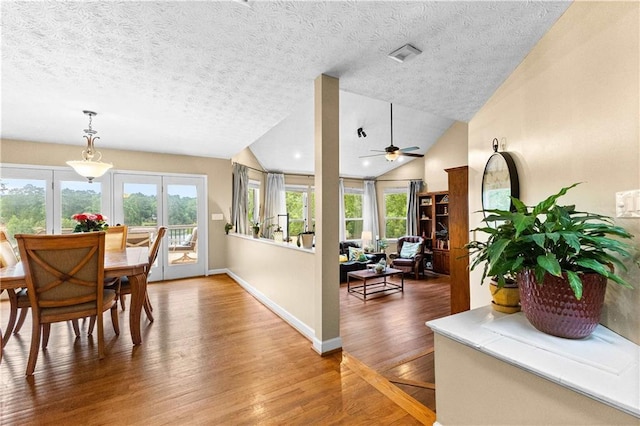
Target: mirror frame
(512, 183)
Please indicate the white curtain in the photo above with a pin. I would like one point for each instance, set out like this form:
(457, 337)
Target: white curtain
(239, 202)
(274, 202)
(341, 230)
(415, 187)
(370, 209)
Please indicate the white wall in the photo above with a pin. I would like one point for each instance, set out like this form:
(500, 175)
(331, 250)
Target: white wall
(570, 113)
(284, 275)
(449, 151)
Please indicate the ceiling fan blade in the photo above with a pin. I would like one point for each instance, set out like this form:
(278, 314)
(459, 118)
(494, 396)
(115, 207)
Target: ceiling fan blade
(411, 148)
(409, 154)
(377, 150)
(371, 155)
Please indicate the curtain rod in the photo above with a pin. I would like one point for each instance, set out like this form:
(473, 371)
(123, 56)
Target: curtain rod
(310, 176)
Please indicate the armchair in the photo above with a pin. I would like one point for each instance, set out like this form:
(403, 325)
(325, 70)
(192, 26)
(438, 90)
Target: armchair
(407, 262)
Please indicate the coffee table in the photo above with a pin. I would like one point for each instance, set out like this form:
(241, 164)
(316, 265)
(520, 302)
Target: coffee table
(373, 282)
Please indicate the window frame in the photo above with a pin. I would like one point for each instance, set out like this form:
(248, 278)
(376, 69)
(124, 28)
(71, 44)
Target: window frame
(393, 191)
(308, 211)
(360, 192)
(254, 185)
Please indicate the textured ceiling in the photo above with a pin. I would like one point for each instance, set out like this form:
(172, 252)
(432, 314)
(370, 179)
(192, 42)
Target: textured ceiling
(210, 78)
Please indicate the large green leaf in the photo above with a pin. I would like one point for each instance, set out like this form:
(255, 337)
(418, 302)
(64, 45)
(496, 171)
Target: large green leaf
(539, 239)
(522, 222)
(549, 263)
(576, 284)
(519, 205)
(545, 205)
(572, 240)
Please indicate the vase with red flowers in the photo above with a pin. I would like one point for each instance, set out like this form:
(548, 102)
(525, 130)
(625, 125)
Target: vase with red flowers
(89, 222)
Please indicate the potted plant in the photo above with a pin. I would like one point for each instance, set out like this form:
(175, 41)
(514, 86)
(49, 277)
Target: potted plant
(227, 227)
(382, 244)
(277, 234)
(506, 297)
(256, 230)
(558, 255)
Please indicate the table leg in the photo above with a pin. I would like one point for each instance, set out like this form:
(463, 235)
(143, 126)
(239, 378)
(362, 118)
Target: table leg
(364, 288)
(13, 301)
(138, 292)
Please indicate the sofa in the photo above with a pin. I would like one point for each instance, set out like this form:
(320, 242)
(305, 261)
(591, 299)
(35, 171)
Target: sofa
(355, 265)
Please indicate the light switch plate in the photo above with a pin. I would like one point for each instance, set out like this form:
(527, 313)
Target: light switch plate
(628, 204)
(217, 216)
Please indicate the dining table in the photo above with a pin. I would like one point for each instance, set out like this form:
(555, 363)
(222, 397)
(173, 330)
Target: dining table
(130, 262)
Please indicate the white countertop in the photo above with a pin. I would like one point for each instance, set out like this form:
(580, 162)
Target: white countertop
(603, 366)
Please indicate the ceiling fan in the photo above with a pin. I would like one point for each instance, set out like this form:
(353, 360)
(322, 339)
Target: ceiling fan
(392, 152)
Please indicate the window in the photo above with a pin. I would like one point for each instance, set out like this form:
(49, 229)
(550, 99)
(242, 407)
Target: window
(353, 213)
(253, 203)
(395, 212)
(300, 201)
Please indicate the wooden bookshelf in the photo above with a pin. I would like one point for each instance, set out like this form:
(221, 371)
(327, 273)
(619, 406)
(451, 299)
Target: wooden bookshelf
(433, 220)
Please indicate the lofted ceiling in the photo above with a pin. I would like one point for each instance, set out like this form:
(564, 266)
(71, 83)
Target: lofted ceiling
(210, 78)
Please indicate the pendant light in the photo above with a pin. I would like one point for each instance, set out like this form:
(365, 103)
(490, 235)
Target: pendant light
(90, 166)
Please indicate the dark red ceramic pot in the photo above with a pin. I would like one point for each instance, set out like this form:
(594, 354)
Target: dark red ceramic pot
(553, 308)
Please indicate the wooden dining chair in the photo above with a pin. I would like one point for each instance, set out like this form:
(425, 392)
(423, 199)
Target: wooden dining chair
(18, 300)
(116, 238)
(65, 281)
(125, 286)
(8, 258)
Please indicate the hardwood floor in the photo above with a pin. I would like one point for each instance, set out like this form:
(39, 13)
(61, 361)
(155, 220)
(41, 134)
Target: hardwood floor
(389, 333)
(215, 355)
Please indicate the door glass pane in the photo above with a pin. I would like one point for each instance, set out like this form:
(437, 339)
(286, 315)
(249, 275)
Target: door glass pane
(78, 197)
(22, 206)
(140, 205)
(182, 207)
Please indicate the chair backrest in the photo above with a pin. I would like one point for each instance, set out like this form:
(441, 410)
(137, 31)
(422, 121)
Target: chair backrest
(63, 270)
(116, 238)
(7, 255)
(411, 239)
(194, 238)
(155, 247)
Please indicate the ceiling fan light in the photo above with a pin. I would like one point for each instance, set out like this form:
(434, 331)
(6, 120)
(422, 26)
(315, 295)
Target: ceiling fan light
(391, 156)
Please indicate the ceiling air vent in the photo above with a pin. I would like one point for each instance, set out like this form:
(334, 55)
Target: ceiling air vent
(405, 53)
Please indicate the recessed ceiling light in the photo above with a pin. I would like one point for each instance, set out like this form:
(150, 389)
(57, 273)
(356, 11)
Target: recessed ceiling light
(405, 53)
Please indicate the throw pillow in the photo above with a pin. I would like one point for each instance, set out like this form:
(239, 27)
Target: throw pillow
(355, 253)
(363, 257)
(343, 258)
(409, 250)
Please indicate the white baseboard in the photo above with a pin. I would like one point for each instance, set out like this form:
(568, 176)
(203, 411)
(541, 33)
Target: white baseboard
(304, 329)
(323, 347)
(217, 271)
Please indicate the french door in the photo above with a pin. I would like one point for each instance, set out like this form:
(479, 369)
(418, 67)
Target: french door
(36, 200)
(145, 201)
